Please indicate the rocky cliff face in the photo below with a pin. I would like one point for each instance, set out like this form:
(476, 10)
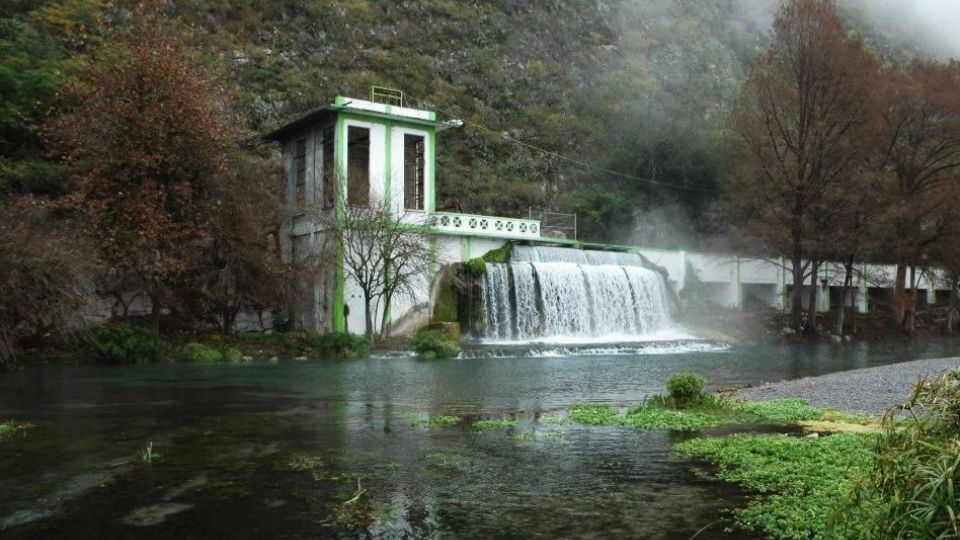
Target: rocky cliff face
(639, 87)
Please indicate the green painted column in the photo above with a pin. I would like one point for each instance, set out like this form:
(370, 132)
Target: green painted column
(340, 165)
(388, 167)
(431, 190)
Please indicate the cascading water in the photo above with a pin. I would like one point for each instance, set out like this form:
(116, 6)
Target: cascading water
(548, 292)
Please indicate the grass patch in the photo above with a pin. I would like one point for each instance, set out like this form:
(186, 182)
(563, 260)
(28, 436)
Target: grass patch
(804, 480)
(493, 423)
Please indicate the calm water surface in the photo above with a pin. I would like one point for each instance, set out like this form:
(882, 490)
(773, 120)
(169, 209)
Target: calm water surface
(344, 449)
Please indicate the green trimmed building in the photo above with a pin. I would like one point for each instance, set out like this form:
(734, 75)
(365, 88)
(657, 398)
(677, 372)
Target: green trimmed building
(354, 153)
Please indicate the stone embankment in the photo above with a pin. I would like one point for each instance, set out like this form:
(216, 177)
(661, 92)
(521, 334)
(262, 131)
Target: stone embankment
(868, 391)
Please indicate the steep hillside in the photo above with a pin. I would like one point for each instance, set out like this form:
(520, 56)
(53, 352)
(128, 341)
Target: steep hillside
(636, 87)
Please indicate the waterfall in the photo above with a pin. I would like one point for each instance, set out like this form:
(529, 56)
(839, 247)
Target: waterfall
(548, 292)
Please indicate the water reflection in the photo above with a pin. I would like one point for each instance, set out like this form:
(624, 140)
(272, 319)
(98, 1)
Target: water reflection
(281, 451)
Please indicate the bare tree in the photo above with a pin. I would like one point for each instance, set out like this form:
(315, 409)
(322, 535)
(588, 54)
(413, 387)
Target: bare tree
(384, 253)
(800, 118)
(45, 275)
(238, 267)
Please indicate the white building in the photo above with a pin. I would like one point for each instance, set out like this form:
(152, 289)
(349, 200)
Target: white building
(356, 151)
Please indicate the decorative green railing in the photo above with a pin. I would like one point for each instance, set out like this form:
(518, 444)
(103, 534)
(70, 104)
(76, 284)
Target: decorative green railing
(500, 227)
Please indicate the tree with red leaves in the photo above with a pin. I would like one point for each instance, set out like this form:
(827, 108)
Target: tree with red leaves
(145, 135)
(918, 146)
(801, 118)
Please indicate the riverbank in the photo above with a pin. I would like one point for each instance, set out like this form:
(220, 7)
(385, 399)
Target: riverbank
(869, 391)
(757, 326)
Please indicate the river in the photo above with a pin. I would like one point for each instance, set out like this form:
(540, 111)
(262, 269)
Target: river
(345, 448)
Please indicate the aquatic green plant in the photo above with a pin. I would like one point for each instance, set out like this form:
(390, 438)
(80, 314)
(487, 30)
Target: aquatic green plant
(493, 423)
(359, 493)
(439, 421)
(147, 455)
(303, 462)
(783, 410)
(658, 412)
(200, 353)
(443, 421)
(678, 420)
(594, 414)
(355, 512)
(436, 344)
(533, 437)
(125, 342)
(686, 389)
(10, 428)
(804, 480)
(555, 420)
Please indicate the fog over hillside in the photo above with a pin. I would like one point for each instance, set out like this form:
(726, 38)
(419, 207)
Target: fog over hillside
(930, 26)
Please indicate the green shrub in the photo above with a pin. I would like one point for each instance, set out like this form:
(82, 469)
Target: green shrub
(435, 344)
(126, 342)
(200, 353)
(9, 428)
(686, 389)
(333, 345)
(233, 355)
(476, 266)
(280, 322)
(320, 346)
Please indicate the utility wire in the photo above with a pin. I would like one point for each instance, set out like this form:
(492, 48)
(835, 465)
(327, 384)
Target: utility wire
(557, 155)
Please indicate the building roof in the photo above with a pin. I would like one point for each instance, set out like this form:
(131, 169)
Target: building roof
(363, 108)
